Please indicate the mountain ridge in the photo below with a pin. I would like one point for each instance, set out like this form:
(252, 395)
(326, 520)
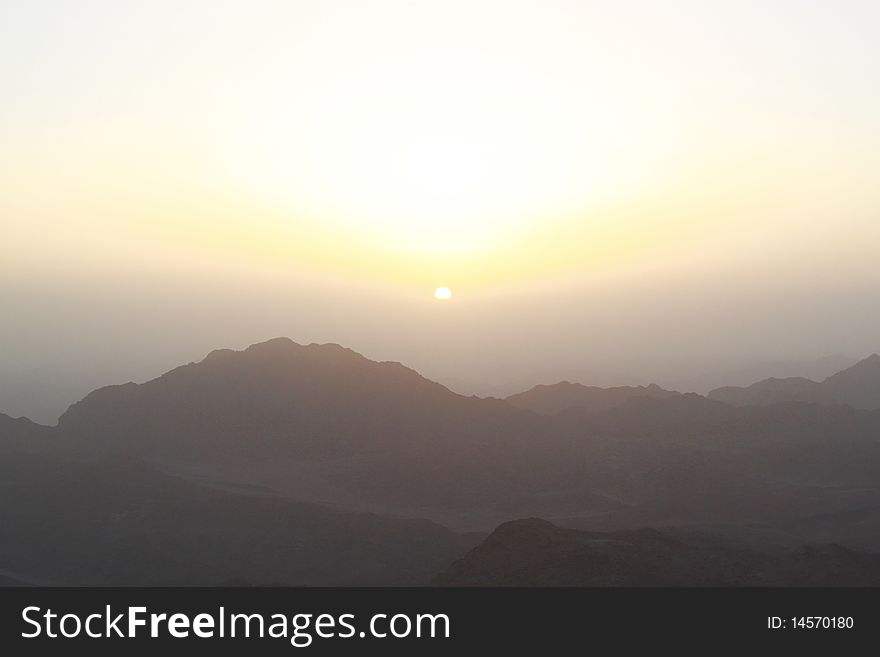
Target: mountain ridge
(560, 397)
(857, 386)
(317, 432)
(534, 552)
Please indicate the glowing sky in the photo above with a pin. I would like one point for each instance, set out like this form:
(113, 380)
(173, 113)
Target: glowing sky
(330, 156)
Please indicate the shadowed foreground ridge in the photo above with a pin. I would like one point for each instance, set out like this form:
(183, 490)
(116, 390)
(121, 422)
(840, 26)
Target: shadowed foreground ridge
(119, 522)
(534, 552)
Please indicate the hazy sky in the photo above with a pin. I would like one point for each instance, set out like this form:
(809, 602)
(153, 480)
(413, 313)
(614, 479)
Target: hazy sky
(642, 189)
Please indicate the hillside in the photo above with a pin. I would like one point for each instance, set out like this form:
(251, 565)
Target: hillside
(552, 399)
(117, 522)
(534, 552)
(322, 424)
(857, 386)
(340, 448)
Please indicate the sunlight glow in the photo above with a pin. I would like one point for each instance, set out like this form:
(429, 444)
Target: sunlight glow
(453, 150)
(487, 144)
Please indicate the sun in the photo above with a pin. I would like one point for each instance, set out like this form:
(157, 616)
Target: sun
(442, 294)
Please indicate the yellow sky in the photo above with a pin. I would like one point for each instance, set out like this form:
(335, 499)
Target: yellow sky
(413, 143)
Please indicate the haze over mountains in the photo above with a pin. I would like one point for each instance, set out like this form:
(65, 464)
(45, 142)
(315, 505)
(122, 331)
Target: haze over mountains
(43, 393)
(552, 399)
(857, 386)
(296, 464)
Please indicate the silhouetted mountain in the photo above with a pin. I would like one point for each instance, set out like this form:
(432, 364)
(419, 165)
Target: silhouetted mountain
(21, 429)
(283, 398)
(323, 424)
(858, 386)
(552, 399)
(319, 423)
(275, 395)
(534, 552)
(20, 434)
(284, 430)
(745, 374)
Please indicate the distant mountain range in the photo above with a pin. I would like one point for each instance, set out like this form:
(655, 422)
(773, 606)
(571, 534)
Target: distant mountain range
(552, 399)
(303, 464)
(858, 386)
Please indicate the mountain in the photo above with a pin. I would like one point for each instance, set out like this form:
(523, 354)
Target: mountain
(21, 436)
(275, 395)
(747, 373)
(694, 462)
(74, 517)
(857, 386)
(282, 398)
(534, 552)
(322, 424)
(552, 399)
(299, 464)
(119, 522)
(318, 423)
(21, 431)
